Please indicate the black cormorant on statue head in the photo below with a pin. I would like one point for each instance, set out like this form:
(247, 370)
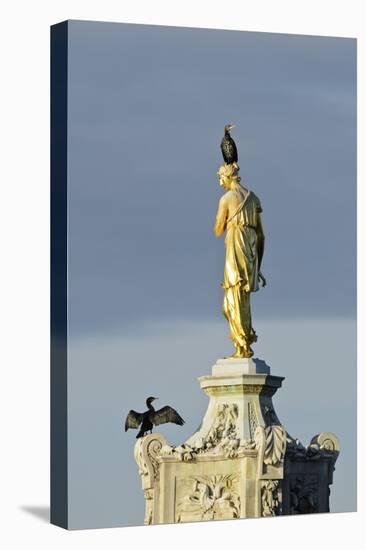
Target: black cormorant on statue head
(228, 128)
(228, 147)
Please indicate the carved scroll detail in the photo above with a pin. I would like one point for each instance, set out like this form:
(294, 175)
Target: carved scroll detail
(324, 445)
(147, 450)
(327, 442)
(153, 449)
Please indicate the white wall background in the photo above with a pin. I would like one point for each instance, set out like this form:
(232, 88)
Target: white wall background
(25, 267)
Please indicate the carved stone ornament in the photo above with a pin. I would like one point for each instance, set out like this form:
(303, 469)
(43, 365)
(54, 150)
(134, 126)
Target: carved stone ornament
(221, 439)
(147, 450)
(304, 494)
(272, 441)
(209, 497)
(149, 503)
(275, 445)
(324, 445)
(253, 420)
(270, 496)
(241, 462)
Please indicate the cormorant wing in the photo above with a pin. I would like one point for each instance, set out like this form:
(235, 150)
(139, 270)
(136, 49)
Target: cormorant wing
(235, 151)
(133, 420)
(229, 150)
(222, 146)
(166, 414)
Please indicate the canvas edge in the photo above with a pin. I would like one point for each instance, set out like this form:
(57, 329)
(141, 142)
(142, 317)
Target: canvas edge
(58, 271)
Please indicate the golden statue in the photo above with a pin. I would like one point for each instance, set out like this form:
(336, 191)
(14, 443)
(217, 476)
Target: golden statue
(239, 213)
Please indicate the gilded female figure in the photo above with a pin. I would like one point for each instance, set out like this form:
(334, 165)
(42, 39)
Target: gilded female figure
(239, 213)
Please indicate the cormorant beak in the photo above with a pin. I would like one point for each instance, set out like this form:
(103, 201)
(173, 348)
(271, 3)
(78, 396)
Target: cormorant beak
(155, 398)
(232, 126)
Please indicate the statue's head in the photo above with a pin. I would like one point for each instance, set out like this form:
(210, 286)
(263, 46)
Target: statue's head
(228, 174)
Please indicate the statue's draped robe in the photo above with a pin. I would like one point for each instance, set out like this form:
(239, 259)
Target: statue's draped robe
(241, 263)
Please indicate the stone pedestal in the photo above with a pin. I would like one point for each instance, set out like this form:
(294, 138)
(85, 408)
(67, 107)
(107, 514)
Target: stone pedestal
(241, 462)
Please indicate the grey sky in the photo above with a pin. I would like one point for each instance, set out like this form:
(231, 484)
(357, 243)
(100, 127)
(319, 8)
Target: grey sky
(147, 107)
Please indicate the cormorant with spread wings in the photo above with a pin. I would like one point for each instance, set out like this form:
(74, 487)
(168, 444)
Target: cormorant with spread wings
(151, 418)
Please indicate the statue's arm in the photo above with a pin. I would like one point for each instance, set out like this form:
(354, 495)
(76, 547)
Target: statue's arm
(260, 240)
(221, 217)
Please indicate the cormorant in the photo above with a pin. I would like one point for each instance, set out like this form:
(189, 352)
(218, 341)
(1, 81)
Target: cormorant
(151, 417)
(228, 147)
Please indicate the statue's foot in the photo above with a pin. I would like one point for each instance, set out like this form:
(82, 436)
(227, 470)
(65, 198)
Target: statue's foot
(242, 352)
(242, 355)
(247, 351)
(238, 354)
